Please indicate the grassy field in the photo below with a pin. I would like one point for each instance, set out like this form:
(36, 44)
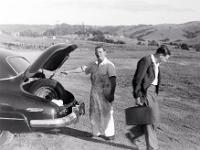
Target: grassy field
(179, 102)
(179, 96)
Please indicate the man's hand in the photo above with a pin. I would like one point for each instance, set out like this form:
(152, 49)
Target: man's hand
(110, 97)
(64, 72)
(138, 101)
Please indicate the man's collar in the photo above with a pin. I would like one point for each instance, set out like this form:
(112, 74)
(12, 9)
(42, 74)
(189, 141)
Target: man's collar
(104, 61)
(154, 59)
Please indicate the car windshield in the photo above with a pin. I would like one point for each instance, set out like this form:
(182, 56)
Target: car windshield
(18, 63)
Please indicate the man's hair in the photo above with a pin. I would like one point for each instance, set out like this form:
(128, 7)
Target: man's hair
(97, 47)
(164, 50)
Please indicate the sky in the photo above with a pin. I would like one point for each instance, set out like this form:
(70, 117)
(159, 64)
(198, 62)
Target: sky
(99, 12)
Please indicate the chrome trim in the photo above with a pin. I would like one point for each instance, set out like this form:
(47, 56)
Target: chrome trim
(10, 78)
(70, 104)
(55, 123)
(10, 118)
(60, 122)
(34, 109)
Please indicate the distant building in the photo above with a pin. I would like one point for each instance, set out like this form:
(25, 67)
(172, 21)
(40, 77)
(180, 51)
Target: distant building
(54, 37)
(108, 36)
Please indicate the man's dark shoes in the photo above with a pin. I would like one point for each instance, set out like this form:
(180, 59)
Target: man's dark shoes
(107, 138)
(90, 135)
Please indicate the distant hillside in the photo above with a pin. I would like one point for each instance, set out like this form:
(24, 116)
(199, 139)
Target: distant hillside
(187, 32)
(21, 27)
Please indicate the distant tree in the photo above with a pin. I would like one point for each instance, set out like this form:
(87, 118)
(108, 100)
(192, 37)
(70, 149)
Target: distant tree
(29, 33)
(98, 36)
(197, 47)
(120, 42)
(6, 32)
(109, 41)
(153, 43)
(64, 29)
(49, 32)
(140, 43)
(165, 40)
(176, 45)
(178, 40)
(190, 35)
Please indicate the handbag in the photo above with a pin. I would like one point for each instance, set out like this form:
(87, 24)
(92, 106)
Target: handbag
(139, 115)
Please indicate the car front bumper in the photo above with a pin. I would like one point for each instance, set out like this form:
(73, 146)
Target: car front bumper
(60, 122)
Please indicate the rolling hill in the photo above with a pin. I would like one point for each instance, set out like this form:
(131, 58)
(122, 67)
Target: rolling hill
(187, 32)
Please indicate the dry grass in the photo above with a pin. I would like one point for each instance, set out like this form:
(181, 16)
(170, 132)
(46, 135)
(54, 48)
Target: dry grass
(179, 102)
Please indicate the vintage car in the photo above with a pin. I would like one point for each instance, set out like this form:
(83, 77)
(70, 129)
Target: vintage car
(28, 98)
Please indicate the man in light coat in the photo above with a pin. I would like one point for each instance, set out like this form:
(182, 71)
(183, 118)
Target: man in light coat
(103, 80)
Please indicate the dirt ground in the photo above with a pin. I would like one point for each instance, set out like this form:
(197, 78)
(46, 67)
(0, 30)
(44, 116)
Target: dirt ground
(180, 122)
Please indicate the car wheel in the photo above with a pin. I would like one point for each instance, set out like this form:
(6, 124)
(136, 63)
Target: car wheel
(47, 88)
(5, 137)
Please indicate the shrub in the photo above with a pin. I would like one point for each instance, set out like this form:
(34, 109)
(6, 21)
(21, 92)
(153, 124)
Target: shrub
(109, 41)
(29, 33)
(165, 40)
(120, 42)
(197, 47)
(101, 38)
(184, 46)
(153, 43)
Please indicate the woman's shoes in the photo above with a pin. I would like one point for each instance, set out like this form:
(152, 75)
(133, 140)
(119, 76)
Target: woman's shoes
(93, 135)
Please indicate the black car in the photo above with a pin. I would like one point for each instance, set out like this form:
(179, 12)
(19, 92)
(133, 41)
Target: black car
(27, 96)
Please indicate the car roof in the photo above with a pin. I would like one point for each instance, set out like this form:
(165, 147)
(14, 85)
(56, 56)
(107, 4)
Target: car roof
(5, 53)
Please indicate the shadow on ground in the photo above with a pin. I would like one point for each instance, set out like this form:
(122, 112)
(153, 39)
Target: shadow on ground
(86, 136)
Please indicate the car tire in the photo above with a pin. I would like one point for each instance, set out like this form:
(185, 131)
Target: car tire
(47, 88)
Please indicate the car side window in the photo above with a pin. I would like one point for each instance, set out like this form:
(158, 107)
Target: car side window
(12, 66)
(18, 64)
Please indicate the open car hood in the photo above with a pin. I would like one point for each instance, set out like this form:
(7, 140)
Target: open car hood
(51, 59)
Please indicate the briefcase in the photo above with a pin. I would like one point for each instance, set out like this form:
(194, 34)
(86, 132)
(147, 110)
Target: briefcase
(138, 115)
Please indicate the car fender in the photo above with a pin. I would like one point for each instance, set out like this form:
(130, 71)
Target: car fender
(13, 120)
